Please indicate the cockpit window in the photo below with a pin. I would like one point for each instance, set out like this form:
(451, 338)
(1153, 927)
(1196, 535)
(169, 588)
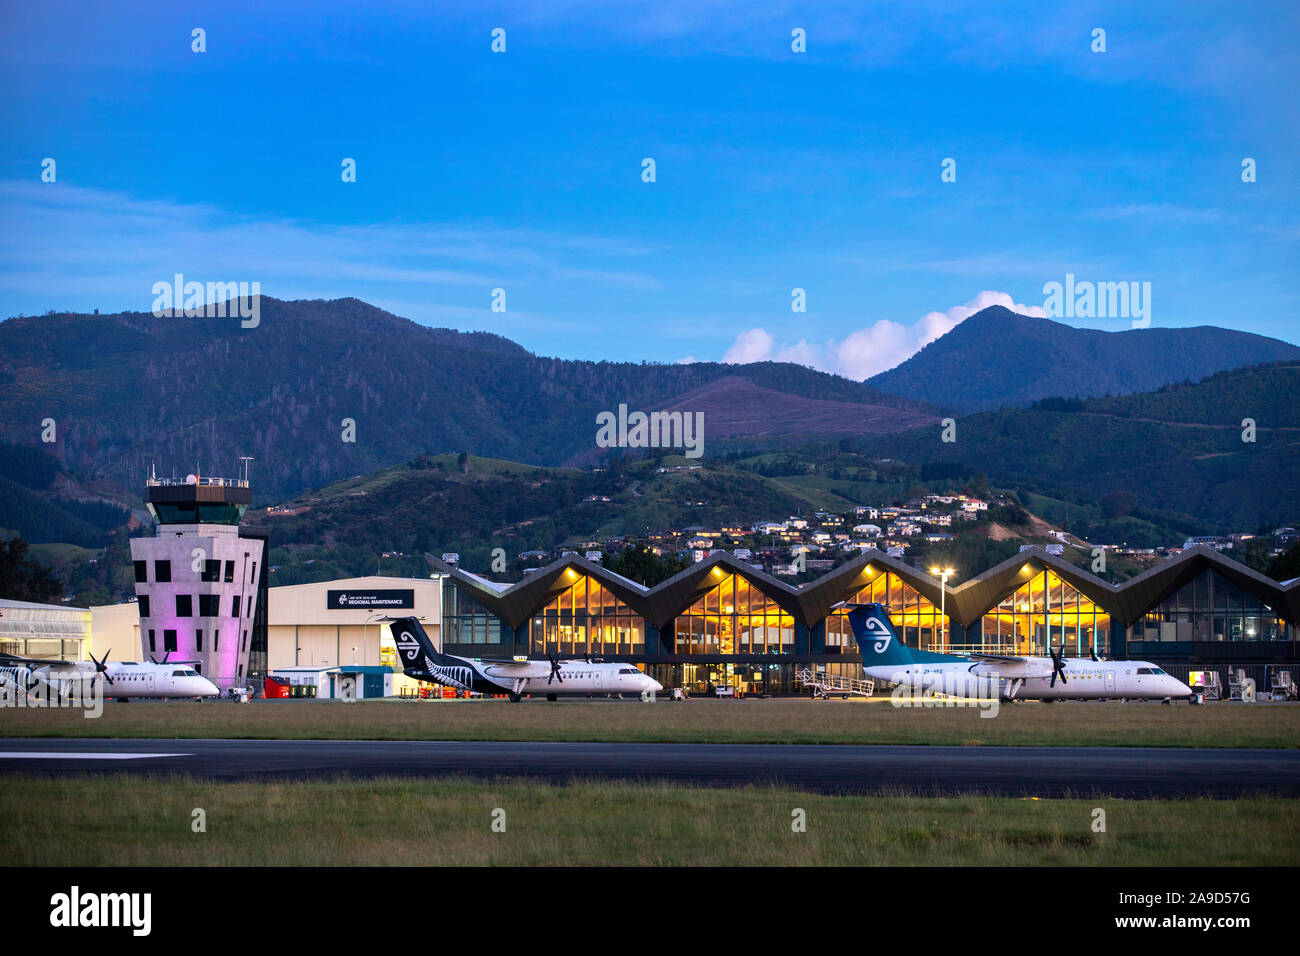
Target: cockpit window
(628, 670)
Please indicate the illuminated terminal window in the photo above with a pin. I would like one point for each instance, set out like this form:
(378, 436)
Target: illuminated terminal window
(465, 621)
(1210, 608)
(1046, 611)
(586, 618)
(916, 620)
(734, 617)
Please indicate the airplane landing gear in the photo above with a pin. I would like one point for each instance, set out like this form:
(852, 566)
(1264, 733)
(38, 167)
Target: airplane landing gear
(552, 697)
(514, 698)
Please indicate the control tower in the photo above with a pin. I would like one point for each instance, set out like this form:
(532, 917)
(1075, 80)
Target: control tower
(196, 580)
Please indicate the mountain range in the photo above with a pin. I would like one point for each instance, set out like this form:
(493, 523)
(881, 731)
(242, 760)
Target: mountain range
(130, 390)
(1000, 358)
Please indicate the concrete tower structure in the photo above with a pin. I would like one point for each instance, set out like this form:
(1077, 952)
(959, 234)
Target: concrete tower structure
(196, 580)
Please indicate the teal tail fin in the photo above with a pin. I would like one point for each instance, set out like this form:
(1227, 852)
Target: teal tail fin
(877, 642)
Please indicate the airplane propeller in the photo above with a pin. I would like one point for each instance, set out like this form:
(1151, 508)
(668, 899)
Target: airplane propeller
(1058, 664)
(1092, 652)
(555, 670)
(100, 668)
(166, 657)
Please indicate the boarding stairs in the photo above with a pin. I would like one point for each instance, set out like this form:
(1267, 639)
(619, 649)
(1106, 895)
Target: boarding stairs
(822, 684)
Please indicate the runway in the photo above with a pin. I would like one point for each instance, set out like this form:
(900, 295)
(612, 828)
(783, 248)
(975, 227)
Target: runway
(1005, 771)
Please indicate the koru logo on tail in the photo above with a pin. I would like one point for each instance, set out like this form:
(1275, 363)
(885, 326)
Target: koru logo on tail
(874, 624)
(408, 645)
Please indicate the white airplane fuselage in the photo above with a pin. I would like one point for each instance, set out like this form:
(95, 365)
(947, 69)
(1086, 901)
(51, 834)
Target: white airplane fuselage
(129, 680)
(1032, 680)
(575, 678)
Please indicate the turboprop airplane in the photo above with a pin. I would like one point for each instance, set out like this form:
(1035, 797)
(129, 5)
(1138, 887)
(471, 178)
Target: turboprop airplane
(123, 680)
(1012, 677)
(517, 676)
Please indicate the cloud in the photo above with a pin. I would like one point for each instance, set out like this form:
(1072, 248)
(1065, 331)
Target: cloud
(754, 345)
(871, 350)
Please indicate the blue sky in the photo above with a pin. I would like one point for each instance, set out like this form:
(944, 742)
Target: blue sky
(775, 169)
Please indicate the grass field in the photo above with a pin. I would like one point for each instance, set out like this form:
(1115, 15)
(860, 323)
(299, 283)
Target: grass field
(796, 721)
(127, 820)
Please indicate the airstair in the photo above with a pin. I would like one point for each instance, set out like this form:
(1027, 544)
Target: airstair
(822, 684)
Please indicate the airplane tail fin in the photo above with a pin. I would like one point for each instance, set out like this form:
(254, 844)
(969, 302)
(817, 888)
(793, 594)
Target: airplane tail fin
(416, 651)
(878, 644)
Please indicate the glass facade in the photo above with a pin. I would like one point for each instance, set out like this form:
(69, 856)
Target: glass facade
(191, 512)
(736, 636)
(747, 678)
(586, 619)
(1044, 612)
(734, 617)
(916, 619)
(1210, 608)
(465, 621)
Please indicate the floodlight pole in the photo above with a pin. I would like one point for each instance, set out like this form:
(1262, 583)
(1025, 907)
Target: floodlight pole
(944, 574)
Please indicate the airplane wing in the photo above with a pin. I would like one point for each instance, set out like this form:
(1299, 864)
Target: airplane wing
(13, 660)
(514, 670)
(1000, 657)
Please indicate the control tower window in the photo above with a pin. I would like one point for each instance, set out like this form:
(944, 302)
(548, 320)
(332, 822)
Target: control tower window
(162, 571)
(184, 605)
(169, 640)
(230, 572)
(141, 571)
(211, 571)
(143, 603)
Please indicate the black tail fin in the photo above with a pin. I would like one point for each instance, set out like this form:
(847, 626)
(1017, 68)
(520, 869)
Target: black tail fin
(414, 647)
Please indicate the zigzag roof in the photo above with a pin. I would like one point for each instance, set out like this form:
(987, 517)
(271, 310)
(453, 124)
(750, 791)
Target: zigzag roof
(810, 603)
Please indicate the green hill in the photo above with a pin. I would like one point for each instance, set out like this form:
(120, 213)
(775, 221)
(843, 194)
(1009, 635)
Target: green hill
(1179, 450)
(433, 503)
(130, 390)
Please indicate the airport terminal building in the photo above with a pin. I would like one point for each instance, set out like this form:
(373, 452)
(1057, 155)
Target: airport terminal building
(724, 622)
(203, 593)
